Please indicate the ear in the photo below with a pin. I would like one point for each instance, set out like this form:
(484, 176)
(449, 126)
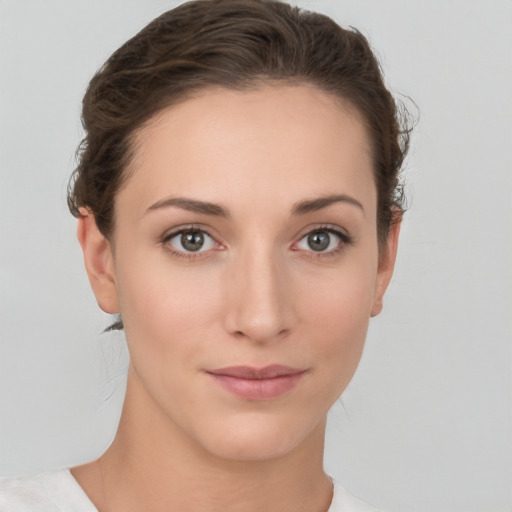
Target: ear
(386, 265)
(99, 261)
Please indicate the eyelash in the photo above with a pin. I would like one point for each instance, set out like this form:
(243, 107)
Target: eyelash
(183, 254)
(345, 240)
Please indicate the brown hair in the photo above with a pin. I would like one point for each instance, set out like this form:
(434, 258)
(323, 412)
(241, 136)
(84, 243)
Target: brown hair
(234, 44)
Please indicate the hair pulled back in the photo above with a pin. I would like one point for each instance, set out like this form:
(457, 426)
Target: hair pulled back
(237, 44)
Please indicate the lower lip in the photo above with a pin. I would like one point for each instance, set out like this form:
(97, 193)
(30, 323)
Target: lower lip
(258, 389)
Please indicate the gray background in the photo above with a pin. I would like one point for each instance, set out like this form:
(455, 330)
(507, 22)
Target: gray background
(426, 423)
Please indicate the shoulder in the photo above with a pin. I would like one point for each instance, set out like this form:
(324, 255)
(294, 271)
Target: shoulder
(343, 501)
(52, 491)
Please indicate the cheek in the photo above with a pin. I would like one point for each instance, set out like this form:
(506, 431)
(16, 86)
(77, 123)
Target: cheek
(162, 304)
(335, 312)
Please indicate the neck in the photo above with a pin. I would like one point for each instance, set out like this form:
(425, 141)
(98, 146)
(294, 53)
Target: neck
(154, 465)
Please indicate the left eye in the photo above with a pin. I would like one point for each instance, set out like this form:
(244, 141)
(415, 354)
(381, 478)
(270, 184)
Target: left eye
(191, 240)
(320, 240)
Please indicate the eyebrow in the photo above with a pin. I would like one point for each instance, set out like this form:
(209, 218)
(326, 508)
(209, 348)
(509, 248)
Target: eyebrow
(300, 208)
(314, 205)
(192, 205)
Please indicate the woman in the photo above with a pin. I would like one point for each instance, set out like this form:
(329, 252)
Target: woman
(238, 206)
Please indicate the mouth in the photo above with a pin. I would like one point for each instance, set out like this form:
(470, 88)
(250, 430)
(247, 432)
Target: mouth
(257, 383)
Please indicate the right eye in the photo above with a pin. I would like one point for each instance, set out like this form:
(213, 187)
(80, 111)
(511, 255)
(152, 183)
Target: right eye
(188, 241)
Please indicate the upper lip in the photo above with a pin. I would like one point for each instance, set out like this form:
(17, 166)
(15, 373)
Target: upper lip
(250, 372)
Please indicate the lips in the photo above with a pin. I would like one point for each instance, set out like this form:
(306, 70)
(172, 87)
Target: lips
(257, 383)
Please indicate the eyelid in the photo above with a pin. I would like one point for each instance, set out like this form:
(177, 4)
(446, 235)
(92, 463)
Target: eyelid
(333, 228)
(345, 240)
(178, 230)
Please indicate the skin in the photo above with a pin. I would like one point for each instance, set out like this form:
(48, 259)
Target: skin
(256, 295)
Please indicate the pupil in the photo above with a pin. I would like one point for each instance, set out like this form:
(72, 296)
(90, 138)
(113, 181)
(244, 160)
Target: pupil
(192, 241)
(319, 241)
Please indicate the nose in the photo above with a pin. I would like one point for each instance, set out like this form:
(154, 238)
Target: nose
(259, 303)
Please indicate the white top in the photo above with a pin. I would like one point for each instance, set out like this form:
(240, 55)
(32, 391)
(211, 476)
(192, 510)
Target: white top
(58, 491)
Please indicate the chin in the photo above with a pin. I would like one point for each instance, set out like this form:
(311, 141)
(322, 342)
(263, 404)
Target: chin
(252, 440)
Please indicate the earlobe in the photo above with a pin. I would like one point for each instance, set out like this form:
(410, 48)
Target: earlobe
(98, 260)
(386, 265)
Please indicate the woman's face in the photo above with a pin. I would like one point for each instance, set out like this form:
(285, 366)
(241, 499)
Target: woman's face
(245, 265)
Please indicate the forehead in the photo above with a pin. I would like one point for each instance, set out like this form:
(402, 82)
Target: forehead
(267, 144)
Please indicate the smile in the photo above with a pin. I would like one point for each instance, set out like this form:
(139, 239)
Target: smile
(257, 383)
